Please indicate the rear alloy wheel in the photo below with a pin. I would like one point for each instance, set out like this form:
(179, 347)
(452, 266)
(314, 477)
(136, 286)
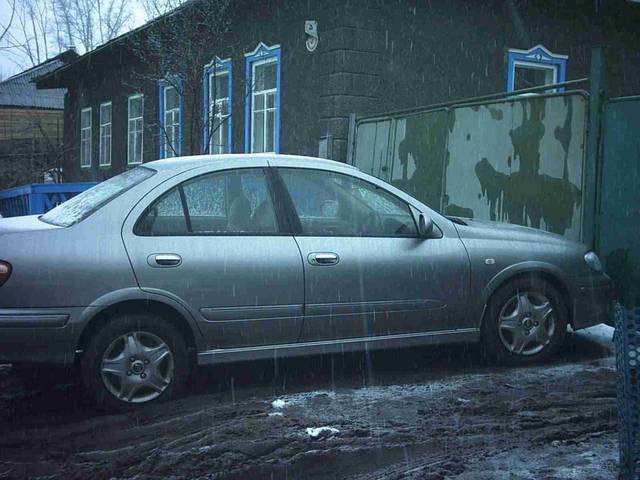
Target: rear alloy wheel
(526, 322)
(137, 367)
(134, 360)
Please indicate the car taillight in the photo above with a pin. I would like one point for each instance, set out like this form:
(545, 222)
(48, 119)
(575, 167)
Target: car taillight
(5, 271)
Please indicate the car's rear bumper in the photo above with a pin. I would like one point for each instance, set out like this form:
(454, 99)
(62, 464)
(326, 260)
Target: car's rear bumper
(592, 298)
(38, 335)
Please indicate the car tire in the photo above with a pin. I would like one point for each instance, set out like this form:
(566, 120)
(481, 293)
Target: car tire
(135, 360)
(518, 328)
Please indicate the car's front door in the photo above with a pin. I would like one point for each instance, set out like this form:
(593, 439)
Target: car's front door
(215, 243)
(367, 273)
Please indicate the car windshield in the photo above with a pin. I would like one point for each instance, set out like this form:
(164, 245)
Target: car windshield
(89, 201)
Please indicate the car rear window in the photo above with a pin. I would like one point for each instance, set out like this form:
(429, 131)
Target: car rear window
(82, 205)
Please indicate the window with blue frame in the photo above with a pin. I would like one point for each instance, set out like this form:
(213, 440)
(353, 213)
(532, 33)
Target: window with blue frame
(218, 96)
(535, 67)
(262, 106)
(170, 120)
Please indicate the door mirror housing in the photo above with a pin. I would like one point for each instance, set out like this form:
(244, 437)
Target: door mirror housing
(425, 226)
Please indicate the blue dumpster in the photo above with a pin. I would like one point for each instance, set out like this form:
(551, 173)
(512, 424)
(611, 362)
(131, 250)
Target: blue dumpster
(38, 198)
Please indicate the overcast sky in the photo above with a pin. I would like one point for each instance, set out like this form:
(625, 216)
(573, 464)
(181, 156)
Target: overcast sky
(8, 66)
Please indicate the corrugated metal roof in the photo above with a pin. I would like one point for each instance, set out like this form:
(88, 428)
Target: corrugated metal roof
(20, 91)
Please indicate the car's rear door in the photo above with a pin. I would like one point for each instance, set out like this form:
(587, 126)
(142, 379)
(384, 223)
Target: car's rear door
(366, 271)
(216, 243)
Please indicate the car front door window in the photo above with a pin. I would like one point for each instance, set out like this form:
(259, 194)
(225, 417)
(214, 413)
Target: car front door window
(334, 204)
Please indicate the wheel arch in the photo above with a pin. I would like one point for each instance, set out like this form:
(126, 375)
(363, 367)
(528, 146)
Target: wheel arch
(98, 316)
(544, 272)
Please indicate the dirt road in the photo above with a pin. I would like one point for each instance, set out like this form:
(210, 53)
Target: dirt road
(417, 414)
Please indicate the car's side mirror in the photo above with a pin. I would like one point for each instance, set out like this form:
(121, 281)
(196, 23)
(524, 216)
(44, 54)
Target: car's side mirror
(425, 226)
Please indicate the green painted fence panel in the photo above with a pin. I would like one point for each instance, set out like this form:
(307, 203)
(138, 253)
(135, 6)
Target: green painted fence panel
(518, 160)
(619, 212)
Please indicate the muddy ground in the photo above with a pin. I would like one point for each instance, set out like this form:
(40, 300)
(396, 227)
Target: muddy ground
(416, 414)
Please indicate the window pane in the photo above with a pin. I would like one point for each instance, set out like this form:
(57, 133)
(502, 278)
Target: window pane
(164, 217)
(135, 107)
(258, 102)
(227, 202)
(223, 135)
(85, 118)
(206, 197)
(82, 205)
(258, 132)
(270, 134)
(172, 98)
(271, 100)
(220, 86)
(105, 114)
(528, 77)
(332, 204)
(265, 76)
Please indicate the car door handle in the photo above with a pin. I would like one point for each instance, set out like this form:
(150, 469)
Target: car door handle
(164, 260)
(323, 258)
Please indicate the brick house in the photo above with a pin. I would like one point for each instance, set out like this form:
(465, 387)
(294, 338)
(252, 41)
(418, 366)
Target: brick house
(279, 90)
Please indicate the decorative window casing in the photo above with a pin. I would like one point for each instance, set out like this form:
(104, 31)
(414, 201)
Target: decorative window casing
(105, 134)
(135, 129)
(217, 106)
(262, 107)
(170, 119)
(535, 67)
(85, 138)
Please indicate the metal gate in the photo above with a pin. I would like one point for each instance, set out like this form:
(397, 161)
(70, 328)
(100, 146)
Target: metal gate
(619, 244)
(619, 213)
(518, 159)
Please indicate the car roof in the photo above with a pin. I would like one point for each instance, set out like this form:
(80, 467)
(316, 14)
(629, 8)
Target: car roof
(251, 160)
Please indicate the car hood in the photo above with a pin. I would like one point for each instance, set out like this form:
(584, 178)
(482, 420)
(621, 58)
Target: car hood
(28, 223)
(507, 231)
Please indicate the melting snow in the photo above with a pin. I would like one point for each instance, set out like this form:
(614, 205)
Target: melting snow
(316, 432)
(279, 403)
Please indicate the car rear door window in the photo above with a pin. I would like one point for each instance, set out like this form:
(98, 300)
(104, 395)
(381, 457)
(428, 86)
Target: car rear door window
(335, 204)
(233, 202)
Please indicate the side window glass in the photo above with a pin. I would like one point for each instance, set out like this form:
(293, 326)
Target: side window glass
(164, 217)
(333, 204)
(230, 202)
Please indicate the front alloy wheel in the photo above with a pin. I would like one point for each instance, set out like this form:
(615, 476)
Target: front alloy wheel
(525, 322)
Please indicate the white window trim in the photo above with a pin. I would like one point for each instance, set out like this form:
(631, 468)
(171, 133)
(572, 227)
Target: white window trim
(175, 145)
(255, 93)
(110, 123)
(129, 119)
(82, 129)
(217, 117)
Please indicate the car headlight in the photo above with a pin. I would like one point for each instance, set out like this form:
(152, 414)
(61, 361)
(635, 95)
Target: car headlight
(593, 261)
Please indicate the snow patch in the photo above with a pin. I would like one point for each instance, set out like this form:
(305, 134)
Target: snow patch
(279, 403)
(275, 414)
(324, 431)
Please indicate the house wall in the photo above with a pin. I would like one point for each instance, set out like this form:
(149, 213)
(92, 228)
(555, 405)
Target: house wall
(30, 142)
(373, 56)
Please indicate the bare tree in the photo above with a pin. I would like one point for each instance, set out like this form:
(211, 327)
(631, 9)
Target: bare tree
(11, 4)
(156, 8)
(43, 28)
(179, 45)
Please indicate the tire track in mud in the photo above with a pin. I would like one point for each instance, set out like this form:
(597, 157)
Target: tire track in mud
(406, 426)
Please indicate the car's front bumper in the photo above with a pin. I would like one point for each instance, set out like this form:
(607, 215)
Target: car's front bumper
(38, 335)
(592, 297)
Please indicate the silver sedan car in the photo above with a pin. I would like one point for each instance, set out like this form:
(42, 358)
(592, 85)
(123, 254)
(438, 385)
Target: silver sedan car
(198, 260)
